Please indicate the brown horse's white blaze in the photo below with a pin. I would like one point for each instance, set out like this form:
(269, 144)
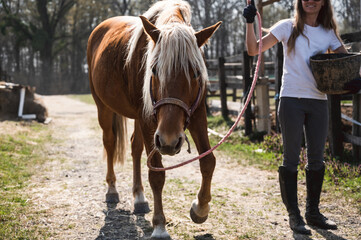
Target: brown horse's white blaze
(152, 69)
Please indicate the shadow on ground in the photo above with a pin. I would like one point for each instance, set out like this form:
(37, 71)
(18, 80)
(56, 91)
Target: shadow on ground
(204, 237)
(327, 235)
(123, 224)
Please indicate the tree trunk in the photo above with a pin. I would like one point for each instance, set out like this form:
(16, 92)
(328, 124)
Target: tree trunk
(46, 77)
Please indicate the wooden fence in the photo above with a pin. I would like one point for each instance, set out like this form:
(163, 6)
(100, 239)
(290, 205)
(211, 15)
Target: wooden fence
(238, 75)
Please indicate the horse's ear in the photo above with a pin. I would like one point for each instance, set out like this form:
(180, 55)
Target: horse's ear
(150, 29)
(205, 34)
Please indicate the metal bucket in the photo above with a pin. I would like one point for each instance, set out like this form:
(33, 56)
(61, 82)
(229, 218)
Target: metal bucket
(332, 71)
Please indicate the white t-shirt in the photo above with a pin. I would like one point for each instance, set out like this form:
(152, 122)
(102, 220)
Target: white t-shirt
(297, 79)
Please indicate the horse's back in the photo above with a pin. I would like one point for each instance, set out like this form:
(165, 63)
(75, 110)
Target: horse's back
(113, 32)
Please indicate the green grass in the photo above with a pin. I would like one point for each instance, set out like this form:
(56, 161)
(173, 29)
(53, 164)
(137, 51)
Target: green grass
(240, 147)
(87, 98)
(346, 101)
(19, 153)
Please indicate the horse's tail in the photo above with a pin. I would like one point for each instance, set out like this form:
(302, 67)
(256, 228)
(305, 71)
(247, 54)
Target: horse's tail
(120, 133)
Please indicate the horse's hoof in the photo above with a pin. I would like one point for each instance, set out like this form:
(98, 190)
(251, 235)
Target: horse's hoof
(112, 197)
(197, 219)
(141, 208)
(159, 233)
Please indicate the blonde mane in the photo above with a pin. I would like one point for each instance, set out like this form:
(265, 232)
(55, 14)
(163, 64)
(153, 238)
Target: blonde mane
(175, 51)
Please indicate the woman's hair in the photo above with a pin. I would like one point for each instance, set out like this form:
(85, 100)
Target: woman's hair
(325, 18)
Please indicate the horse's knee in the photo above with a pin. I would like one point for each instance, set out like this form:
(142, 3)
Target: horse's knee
(156, 180)
(207, 165)
(109, 143)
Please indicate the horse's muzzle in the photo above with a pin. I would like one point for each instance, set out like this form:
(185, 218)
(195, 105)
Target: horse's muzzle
(167, 145)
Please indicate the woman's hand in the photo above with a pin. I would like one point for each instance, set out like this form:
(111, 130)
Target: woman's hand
(250, 12)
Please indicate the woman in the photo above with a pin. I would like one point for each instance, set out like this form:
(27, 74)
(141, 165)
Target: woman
(302, 106)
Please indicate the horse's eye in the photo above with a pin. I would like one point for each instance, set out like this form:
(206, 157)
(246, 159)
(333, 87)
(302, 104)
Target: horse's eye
(197, 74)
(154, 71)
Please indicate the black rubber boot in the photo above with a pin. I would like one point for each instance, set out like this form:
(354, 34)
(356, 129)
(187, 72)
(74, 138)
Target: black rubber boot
(314, 180)
(288, 185)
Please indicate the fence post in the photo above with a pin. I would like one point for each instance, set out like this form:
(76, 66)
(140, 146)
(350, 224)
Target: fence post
(247, 63)
(356, 130)
(335, 136)
(222, 87)
(263, 110)
(278, 80)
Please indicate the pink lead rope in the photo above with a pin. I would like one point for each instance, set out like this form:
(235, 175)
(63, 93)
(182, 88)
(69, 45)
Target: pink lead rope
(255, 76)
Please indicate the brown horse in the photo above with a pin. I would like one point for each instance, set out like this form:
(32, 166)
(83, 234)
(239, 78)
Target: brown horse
(151, 69)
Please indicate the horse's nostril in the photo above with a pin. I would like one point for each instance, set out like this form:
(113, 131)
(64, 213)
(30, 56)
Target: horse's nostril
(179, 144)
(157, 141)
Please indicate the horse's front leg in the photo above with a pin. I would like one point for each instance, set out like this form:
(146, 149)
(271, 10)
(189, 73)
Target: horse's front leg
(198, 129)
(140, 201)
(156, 180)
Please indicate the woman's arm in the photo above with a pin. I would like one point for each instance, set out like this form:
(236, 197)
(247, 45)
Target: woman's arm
(251, 41)
(252, 44)
(341, 49)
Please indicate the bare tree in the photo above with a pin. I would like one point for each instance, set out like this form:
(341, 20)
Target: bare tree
(43, 42)
(40, 31)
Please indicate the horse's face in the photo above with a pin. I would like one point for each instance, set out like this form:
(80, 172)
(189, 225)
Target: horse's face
(177, 102)
(174, 81)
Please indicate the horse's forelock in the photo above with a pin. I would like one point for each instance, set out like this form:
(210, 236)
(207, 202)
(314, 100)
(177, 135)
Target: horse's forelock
(163, 12)
(176, 51)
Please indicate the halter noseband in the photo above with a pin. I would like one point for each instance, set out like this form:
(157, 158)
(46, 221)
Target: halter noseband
(175, 101)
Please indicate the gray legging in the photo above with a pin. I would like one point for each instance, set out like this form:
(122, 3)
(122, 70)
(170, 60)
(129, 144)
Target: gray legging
(302, 114)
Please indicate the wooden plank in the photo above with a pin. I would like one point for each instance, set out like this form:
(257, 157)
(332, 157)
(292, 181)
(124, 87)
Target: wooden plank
(351, 37)
(232, 106)
(352, 139)
(262, 99)
(269, 2)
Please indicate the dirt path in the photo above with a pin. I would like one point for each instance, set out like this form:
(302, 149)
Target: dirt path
(69, 192)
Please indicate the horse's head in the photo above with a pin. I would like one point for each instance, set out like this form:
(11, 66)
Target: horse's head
(175, 79)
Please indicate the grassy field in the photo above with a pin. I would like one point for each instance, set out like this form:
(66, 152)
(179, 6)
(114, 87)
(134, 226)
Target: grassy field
(20, 153)
(87, 98)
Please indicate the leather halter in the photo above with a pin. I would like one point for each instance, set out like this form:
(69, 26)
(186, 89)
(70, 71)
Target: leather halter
(175, 101)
